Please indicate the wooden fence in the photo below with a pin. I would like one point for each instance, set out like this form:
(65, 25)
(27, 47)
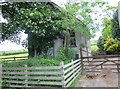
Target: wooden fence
(14, 58)
(97, 62)
(53, 76)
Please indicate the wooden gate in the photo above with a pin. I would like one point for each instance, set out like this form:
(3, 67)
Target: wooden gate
(98, 62)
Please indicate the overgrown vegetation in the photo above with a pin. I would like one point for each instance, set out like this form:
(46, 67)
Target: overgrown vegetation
(94, 49)
(112, 46)
(66, 53)
(109, 43)
(36, 61)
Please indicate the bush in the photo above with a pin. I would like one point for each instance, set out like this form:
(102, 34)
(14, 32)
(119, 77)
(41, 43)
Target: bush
(65, 54)
(100, 45)
(94, 49)
(112, 46)
(113, 49)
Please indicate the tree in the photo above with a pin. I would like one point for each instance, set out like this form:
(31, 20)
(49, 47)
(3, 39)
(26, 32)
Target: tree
(43, 22)
(37, 19)
(107, 28)
(115, 26)
(100, 44)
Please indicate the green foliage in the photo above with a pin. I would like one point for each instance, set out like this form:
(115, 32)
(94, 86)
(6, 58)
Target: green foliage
(75, 82)
(112, 46)
(115, 26)
(36, 61)
(94, 49)
(66, 54)
(37, 19)
(0, 75)
(107, 28)
(109, 42)
(46, 22)
(100, 45)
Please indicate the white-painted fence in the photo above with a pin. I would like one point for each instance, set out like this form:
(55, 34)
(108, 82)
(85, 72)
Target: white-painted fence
(54, 76)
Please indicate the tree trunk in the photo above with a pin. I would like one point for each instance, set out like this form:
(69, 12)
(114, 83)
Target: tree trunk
(30, 46)
(67, 40)
(67, 43)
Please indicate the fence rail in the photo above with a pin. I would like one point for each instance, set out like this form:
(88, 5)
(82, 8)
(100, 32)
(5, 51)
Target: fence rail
(62, 75)
(14, 58)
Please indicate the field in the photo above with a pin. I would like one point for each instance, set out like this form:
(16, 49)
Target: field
(14, 55)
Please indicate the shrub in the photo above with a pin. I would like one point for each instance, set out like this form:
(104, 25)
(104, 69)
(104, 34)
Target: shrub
(94, 49)
(65, 54)
(100, 45)
(109, 42)
(112, 46)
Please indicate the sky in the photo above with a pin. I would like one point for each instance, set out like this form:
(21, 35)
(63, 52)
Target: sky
(7, 45)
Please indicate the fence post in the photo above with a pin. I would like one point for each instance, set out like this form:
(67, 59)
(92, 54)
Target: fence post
(0, 76)
(14, 58)
(118, 68)
(101, 66)
(26, 76)
(81, 56)
(63, 73)
(87, 54)
(72, 64)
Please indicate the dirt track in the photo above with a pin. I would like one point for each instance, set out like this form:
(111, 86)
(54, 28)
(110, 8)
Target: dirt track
(110, 80)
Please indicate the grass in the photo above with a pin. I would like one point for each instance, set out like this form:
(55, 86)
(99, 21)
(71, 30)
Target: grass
(73, 85)
(13, 52)
(36, 61)
(16, 55)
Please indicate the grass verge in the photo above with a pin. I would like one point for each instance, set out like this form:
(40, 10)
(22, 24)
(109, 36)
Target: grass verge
(73, 85)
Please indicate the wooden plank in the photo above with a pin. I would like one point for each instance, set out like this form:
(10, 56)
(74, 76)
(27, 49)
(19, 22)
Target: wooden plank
(95, 61)
(67, 65)
(42, 73)
(71, 67)
(35, 82)
(78, 60)
(103, 68)
(45, 68)
(20, 86)
(34, 68)
(103, 65)
(98, 71)
(66, 76)
(17, 68)
(31, 87)
(70, 78)
(102, 56)
(14, 57)
(33, 77)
